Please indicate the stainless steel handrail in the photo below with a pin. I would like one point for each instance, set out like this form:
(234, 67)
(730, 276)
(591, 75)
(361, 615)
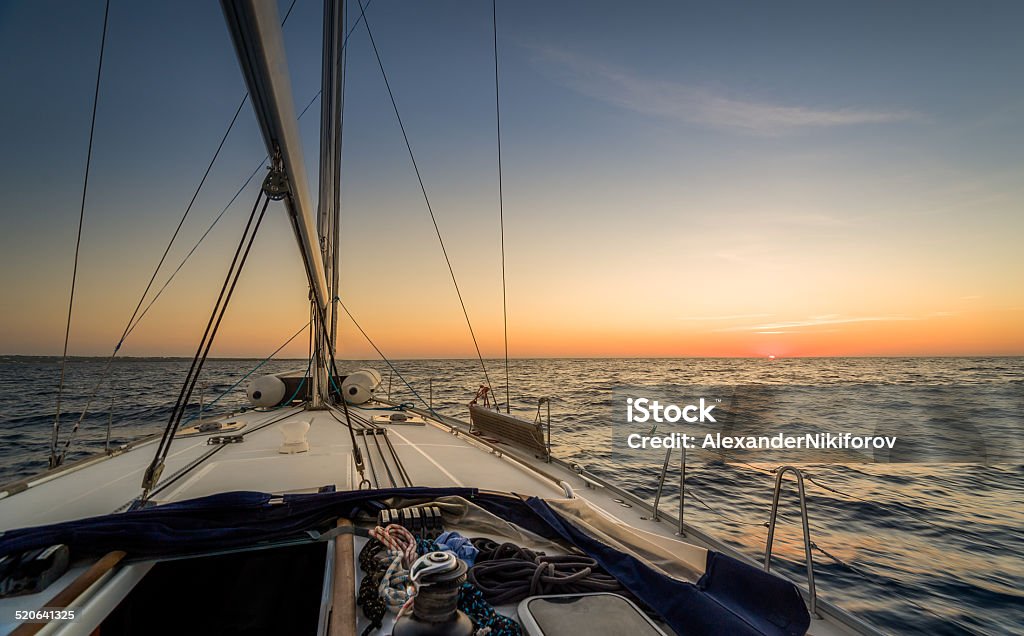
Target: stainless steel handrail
(807, 530)
(656, 516)
(110, 423)
(548, 401)
(661, 483)
(536, 420)
(202, 396)
(682, 491)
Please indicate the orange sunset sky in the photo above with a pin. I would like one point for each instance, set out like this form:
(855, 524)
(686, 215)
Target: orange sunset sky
(697, 185)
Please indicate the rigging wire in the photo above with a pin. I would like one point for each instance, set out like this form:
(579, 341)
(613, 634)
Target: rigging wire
(55, 458)
(849, 496)
(856, 570)
(889, 583)
(811, 479)
(181, 222)
(188, 209)
(251, 371)
(302, 383)
(78, 239)
(825, 486)
(329, 332)
(221, 308)
(288, 12)
(721, 514)
(128, 327)
(501, 202)
(332, 372)
(220, 215)
(153, 472)
(212, 326)
(385, 359)
(248, 180)
(142, 314)
(211, 226)
(194, 248)
(730, 458)
(336, 221)
(423, 189)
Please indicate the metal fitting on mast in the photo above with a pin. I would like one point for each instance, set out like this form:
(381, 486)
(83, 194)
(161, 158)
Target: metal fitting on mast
(275, 185)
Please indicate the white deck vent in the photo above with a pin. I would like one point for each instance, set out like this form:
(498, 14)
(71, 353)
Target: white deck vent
(294, 434)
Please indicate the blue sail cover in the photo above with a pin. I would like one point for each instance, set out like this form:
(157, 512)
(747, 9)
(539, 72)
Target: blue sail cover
(730, 598)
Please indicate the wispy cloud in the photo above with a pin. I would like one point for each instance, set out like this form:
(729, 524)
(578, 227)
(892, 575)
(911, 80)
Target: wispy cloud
(814, 321)
(700, 105)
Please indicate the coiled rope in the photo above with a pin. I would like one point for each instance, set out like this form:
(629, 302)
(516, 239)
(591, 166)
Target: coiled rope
(511, 580)
(486, 621)
(490, 550)
(396, 538)
(368, 598)
(396, 587)
(386, 582)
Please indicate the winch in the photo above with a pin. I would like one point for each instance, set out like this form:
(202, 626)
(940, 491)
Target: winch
(438, 577)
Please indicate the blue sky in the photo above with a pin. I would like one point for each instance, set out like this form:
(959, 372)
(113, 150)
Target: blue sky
(800, 163)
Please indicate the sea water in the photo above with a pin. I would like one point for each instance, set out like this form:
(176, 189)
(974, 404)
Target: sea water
(927, 542)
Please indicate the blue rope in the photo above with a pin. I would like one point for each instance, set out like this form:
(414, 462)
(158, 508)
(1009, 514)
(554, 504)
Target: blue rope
(471, 600)
(330, 377)
(404, 406)
(301, 382)
(483, 615)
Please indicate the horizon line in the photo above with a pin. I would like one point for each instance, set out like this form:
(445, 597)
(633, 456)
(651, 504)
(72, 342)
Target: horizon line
(499, 359)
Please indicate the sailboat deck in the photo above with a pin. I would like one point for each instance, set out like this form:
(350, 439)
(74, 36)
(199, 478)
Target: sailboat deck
(433, 454)
(195, 468)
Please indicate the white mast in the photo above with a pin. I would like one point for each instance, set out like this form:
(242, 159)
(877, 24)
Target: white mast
(330, 155)
(255, 27)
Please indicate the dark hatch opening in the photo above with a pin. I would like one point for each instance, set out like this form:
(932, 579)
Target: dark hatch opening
(275, 591)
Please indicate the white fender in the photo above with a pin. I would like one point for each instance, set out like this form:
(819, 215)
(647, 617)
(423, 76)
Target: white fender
(266, 391)
(358, 387)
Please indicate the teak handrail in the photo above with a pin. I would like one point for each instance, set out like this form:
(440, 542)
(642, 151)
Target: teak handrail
(74, 589)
